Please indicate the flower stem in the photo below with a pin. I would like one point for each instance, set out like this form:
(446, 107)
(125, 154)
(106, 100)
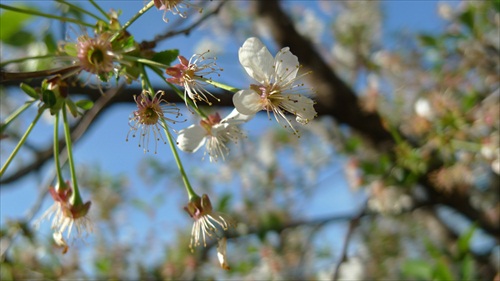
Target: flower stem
(26, 58)
(79, 9)
(20, 143)
(14, 115)
(75, 199)
(99, 8)
(60, 179)
(50, 16)
(219, 85)
(134, 18)
(189, 189)
(145, 61)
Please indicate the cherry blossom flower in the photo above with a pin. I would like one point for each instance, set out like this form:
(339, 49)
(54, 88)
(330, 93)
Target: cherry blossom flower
(191, 74)
(149, 118)
(277, 90)
(95, 55)
(206, 221)
(214, 132)
(65, 215)
(174, 6)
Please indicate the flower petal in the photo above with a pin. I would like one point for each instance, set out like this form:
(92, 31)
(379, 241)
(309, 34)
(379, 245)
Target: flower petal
(287, 66)
(191, 138)
(257, 60)
(301, 106)
(221, 253)
(247, 102)
(236, 118)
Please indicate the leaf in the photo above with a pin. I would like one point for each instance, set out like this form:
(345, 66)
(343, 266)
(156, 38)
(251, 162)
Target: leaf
(85, 104)
(30, 91)
(464, 240)
(428, 40)
(467, 18)
(20, 38)
(442, 272)
(50, 42)
(165, 57)
(12, 23)
(72, 108)
(224, 202)
(418, 269)
(468, 268)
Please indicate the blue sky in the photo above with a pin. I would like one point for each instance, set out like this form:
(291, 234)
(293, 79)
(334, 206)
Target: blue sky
(104, 145)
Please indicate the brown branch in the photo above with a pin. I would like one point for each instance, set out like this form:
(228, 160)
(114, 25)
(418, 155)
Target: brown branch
(340, 101)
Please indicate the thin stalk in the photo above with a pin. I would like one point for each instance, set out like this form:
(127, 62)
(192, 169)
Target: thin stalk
(3, 63)
(99, 9)
(75, 199)
(146, 82)
(79, 9)
(20, 143)
(145, 61)
(191, 193)
(60, 179)
(50, 16)
(134, 18)
(14, 115)
(219, 85)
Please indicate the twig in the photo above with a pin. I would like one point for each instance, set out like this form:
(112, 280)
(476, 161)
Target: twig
(158, 38)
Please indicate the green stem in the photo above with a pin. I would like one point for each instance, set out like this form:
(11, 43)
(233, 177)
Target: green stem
(60, 179)
(99, 9)
(219, 85)
(27, 58)
(79, 9)
(145, 81)
(191, 193)
(50, 16)
(75, 199)
(14, 115)
(145, 61)
(20, 143)
(134, 18)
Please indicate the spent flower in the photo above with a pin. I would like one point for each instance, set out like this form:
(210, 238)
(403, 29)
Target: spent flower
(175, 7)
(191, 74)
(66, 212)
(207, 222)
(150, 117)
(214, 132)
(277, 90)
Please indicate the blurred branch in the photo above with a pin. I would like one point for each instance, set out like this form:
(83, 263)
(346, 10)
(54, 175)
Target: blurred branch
(340, 101)
(186, 31)
(353, 223)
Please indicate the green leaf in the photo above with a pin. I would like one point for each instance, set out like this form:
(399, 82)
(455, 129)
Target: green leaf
(20, 38)
(442, 272)
(50, 42)
(72, 108)
(12, 23)
(468, 268)
(85, 104)
(467, 18)
(30, 91)
(166, 57)
(464, 240)
(418, 269)
(71, 50)
(224, 202)
(49, 98)
(428, 40)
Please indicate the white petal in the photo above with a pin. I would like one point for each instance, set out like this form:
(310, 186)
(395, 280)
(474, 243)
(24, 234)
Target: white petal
(257, 60)
(287, 66)
(191, 138)
(301, 106)
(247, 102)
(221, 253)
(235, 118)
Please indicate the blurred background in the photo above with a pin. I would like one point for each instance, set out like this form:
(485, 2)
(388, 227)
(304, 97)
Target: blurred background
(397, 178)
